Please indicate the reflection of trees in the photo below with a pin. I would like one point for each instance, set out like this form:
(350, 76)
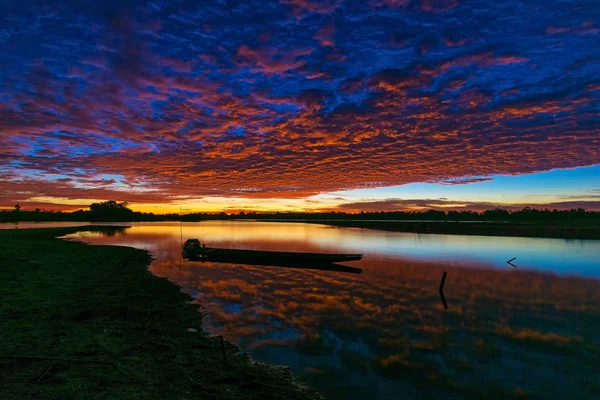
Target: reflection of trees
(389, 326)
(112, 231)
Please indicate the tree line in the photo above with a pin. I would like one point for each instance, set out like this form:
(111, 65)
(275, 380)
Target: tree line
(112, 211)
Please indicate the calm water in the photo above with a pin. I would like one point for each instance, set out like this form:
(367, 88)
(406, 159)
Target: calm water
(509, 332)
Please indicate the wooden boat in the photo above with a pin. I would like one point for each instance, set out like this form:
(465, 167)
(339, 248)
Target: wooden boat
(192, 249)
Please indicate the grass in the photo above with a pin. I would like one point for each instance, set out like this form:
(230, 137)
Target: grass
(103, 327)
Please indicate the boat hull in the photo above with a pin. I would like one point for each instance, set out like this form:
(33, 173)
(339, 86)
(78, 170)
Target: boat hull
(214, 254)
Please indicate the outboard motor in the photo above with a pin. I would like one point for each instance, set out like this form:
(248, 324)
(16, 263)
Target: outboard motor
(190, 248)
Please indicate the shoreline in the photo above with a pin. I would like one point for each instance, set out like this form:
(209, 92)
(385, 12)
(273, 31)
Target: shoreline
(85, 321)
(469, 228)
(579, 231)
(583, 231)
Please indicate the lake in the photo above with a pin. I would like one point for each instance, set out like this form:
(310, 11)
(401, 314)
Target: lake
(530, 331)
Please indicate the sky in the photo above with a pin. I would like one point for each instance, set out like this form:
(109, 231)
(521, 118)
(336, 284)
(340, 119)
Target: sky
(296, 105)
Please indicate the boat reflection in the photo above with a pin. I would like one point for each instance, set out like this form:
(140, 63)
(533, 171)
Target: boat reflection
(288, 264)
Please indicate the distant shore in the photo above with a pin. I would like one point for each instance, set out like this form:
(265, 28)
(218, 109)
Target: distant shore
(481, 228)
(589, 230)
(83, 321)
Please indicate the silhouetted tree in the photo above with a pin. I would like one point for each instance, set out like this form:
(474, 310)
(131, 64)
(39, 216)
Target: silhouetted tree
(453, 216)
(111, 211)
(17, 208)
(496, 214)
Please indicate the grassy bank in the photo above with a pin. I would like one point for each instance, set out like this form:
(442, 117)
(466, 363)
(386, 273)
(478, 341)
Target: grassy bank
(578, 231)
(90, 322)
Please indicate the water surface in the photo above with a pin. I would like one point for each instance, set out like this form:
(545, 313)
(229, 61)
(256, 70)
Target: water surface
(384, 334)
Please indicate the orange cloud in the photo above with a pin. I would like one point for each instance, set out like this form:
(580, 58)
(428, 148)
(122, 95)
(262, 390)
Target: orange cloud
(291, 108)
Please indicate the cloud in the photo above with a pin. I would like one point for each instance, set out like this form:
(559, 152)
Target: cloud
(464, 180)
(295, 98)
(300, 7)
(395, 204)
(271, 60)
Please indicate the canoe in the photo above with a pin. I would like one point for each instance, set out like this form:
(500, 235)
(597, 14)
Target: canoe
(192, 250)
(215, 254)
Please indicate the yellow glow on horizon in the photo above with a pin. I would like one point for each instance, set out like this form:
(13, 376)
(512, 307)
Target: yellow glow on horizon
(235, 204)
(63, 200)
(318, 203)
(192, 205)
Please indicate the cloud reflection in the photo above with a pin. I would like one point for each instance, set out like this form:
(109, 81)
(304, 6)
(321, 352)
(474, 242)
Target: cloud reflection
(385, 332)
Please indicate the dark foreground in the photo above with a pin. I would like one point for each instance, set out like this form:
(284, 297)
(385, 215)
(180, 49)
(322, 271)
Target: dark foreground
(578, 231)
(90, 322)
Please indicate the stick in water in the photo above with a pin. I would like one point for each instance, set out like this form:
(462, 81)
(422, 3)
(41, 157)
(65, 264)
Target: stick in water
(223, 348)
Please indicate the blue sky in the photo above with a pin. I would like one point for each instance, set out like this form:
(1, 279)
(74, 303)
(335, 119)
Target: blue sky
(580, 183)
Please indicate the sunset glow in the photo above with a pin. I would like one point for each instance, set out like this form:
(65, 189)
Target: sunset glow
(300, 105)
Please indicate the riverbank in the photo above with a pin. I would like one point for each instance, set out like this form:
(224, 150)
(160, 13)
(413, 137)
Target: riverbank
(85, 322)
(473, 228)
